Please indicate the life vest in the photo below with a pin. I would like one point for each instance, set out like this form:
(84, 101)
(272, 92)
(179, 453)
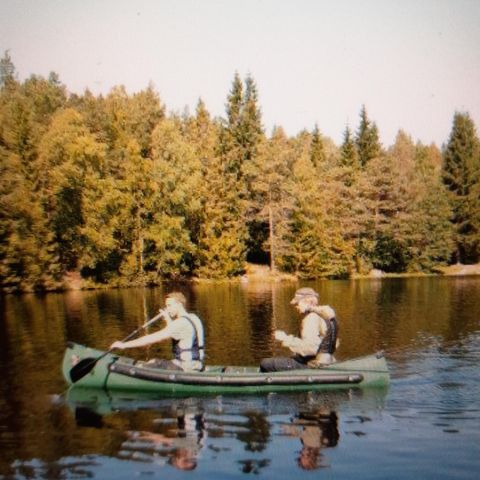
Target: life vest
(329, 341)
(197, 350)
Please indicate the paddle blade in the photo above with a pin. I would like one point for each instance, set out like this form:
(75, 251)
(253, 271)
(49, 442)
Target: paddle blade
(82, 368)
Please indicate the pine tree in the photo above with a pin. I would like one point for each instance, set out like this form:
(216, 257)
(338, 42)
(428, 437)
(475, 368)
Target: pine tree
(219, 250)
(201, 132)
(252, 143)
(230, 134)
(317, 149)
(318, 245)
(7, 71)
(348, 150)
(268, 175)
(367, 140)
(427, 232)
(222, 237)
(461, 175)
(383, 196)
(251, 130)
(223, 240)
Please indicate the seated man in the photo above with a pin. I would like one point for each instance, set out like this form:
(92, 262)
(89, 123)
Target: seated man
(318, 338)
(183, 328)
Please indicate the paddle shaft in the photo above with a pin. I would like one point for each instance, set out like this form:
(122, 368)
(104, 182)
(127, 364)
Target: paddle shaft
(86, 365)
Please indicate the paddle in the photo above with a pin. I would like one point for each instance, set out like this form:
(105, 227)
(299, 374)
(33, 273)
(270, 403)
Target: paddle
(86, 365)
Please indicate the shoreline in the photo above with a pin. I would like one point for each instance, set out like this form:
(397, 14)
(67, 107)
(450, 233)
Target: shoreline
(72, 281)
(262, 273)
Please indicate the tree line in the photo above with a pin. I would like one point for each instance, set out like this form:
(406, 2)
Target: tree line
(113, 190)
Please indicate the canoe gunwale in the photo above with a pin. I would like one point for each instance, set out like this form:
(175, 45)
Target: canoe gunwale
(254, 379)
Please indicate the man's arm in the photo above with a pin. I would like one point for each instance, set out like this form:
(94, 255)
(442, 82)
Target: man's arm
(146, 339)
(310, 340)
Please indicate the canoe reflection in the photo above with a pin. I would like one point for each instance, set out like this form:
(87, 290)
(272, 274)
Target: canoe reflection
(182, 432)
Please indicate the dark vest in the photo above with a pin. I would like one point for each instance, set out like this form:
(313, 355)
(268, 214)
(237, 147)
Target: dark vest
(195, 349)
(329, 342)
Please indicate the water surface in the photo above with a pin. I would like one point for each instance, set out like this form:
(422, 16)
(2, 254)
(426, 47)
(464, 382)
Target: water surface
(425, 424)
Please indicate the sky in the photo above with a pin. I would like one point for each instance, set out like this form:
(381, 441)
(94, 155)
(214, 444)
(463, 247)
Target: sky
(412, 63)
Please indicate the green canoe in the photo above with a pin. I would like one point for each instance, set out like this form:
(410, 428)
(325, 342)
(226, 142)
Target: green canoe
(114, 372)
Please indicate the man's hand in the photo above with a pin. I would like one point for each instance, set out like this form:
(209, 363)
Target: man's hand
(165, 315)
(280, 335)
(118, 344)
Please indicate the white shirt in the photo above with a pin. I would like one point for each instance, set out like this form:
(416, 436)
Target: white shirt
(313, 330)
(181, 330)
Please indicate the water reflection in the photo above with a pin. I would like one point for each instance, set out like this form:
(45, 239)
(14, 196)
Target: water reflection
(429, 329)
(180, 441)
(182, 433)
(316, 431)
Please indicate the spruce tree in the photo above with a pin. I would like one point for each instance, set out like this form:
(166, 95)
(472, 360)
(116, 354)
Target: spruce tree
(348, 150)
(240, 138)
(7, 71)
(268, 176)
(383, 196)
(427, 232)
(201, 132)
(317, 149)
(367, 140)
(317, 245)
(461, 175)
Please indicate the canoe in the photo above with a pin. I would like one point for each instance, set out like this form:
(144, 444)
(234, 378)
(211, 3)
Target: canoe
(114, 372)
(103, 402)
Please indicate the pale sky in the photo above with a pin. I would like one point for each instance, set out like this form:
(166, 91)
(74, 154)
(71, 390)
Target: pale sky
(412, 63)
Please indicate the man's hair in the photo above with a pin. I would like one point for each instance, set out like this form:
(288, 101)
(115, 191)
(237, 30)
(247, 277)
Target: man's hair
(179, 297)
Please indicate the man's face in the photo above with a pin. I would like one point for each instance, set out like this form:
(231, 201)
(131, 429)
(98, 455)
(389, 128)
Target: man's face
(302, 305)
(173, 307)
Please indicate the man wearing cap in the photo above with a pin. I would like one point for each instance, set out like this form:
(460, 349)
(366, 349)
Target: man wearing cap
(318, 336)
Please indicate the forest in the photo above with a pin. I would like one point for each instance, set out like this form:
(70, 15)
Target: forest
(113, 190)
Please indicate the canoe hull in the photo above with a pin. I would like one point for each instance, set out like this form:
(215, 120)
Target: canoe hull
(121, 373)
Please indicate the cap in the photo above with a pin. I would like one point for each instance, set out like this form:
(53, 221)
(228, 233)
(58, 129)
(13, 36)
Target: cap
(303, 293)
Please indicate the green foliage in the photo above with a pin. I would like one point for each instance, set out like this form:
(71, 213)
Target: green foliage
(367, 141)
(28, 251)
(115, 190)
(349, 154)
(224, 233)
(318, 246)
(68, 153)
(270, 198)
(461, 175)
(406, 218)
(27, 257)
(317, 150)
(7, 71)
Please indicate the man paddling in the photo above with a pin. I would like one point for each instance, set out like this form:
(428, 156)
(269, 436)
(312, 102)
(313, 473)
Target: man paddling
(318, 336)
(183, 328)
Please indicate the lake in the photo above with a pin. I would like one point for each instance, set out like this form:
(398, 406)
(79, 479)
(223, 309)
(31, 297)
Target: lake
(424, 425)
